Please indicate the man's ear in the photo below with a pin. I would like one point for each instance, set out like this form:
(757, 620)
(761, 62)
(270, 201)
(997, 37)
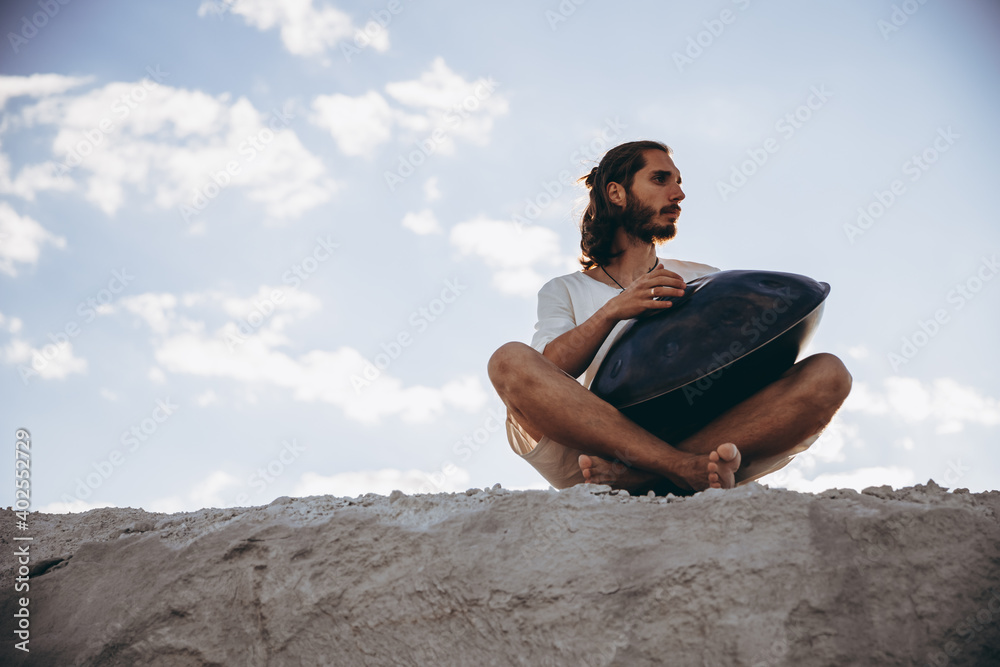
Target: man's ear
(616, 194)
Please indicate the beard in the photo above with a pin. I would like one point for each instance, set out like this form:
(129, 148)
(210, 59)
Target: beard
(637, 221)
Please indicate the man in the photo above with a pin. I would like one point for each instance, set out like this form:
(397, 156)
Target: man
(569, 434)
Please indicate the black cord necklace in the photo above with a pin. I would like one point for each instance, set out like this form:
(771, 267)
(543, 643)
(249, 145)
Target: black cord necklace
(618, 283)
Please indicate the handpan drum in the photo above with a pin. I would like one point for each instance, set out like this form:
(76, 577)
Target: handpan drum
(731, 334)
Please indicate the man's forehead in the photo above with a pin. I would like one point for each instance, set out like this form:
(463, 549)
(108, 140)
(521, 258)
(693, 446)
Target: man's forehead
(658, 161)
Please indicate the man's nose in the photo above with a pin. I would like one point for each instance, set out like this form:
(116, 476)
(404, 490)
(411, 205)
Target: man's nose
(678, 194)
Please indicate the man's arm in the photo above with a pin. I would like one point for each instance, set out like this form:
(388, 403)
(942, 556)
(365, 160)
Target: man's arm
(574, 350)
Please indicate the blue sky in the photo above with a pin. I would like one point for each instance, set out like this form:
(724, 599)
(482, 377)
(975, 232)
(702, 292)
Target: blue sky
(252, 249)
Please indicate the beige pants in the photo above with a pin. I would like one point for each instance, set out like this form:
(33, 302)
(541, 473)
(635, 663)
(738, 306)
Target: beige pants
(557, 463)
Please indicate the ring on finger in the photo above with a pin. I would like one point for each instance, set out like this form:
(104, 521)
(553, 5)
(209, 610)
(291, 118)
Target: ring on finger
(652, 292)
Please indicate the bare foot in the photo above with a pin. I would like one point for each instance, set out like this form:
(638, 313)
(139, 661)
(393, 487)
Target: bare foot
(617, 475)
(722, 466)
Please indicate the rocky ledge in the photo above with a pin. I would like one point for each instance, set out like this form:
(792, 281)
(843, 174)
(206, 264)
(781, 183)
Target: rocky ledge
(753, 576)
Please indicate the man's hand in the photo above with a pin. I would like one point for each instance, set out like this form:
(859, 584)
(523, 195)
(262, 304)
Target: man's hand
(574, 350)
(640, 296)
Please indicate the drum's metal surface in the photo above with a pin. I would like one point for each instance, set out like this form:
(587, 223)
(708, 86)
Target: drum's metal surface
(731, 334)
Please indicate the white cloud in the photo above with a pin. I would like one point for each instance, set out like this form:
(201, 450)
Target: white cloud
(513, 252)
(431, 110)
(907, 398)
(439, 88)
(37, 85)
(156, 309)
(13, 325)
(357, 124)
(431, 190)
(373, 35)
(21, 239)
(536, 486)
(858, 352)
(448, 102)
(72, 507)
(32, 179)
(208, 493)
(278, 306)
(319, 375)
(383, 482)
(108, 395)
(341, 377)
(830, 445)
(422, 222)
(863, 399)
(206, 398)
(827, 448)
(943, 401)
(53, 361)
(179, 148)
(465, 393)
(305, 30)
(894, 476)
(953, 405)
(216, 490)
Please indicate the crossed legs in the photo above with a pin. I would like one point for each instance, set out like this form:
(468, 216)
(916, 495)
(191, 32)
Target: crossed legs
(759, 435)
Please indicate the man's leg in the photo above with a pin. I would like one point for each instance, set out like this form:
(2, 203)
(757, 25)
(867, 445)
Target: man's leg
(547, 401)
(770, 427)
(767, 427)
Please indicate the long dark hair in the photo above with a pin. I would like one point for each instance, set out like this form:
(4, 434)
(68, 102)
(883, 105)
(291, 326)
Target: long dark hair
(601, 219)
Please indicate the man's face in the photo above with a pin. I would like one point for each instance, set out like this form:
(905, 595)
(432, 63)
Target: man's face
(652, 206)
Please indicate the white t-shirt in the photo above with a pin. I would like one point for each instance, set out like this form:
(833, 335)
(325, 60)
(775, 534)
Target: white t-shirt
(563, 304)
(568, 301)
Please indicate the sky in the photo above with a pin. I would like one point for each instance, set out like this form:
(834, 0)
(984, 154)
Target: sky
(254, 248)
